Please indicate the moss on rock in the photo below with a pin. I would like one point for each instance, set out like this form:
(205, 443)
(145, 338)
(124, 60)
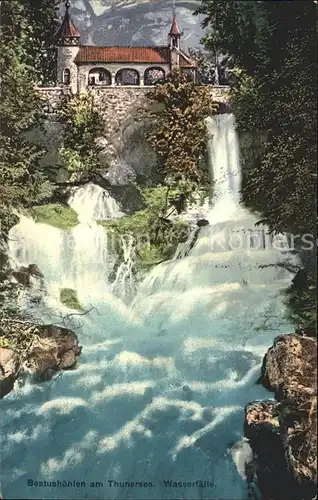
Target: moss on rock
(68, 297)
(136, 223)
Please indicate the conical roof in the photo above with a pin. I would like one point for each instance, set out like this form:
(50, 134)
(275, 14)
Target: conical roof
(67, 28)
(174, 30)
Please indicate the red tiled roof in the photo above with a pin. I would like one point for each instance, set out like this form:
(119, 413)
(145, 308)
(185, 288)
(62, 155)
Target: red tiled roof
(174, 30)
(91, 54)
(141, 55)
(186, 62)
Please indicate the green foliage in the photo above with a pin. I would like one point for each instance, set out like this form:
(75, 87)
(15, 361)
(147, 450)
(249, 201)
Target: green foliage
(83, 125)
(60, 216)
(68, 297)
(272, 52)
(40, 44)
(274, 92)
(179, 137)
(4, 342)
(137, 223)
(33, 25)
(301, 302)
(205, 73)
(21, 179)
(239, 29)
(156, 237)
(149, 255)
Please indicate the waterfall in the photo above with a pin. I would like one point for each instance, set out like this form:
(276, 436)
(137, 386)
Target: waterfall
(123, 284)
(161, 385)
(92, 203)
(81, 258)
(224, 166)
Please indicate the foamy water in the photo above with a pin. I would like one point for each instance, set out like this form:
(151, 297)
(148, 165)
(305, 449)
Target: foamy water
(160, 388)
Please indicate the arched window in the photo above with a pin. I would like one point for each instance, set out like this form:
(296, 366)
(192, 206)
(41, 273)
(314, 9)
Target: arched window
(153, 75)
(175, 42)
(66, 76)
(99, 76)
(127, 76)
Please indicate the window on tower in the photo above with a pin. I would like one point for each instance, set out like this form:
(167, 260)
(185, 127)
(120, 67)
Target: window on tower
(66, 76)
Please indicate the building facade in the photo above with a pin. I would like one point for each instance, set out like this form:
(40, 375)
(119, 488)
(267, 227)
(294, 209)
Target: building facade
(80, 67)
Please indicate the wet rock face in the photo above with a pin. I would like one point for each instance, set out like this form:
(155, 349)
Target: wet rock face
(24, 274)
(283, 434)
(56, 349)
(269, 469)
(51, 349)
(202, 223)
(9, 369)
(289, 368)
(22, 277)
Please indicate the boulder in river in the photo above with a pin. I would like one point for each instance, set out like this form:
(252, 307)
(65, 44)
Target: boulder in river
(47, 350)
(35, 271)
(9, 367)
(289, 368)
(202, 222)
(55, 349)
(283, 434)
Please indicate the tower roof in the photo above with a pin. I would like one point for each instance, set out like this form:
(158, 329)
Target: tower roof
(67, 28)
(174, 30)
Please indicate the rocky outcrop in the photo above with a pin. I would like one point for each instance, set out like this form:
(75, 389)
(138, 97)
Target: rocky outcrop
(24, 275)
(9, 367)
(283, 434)
(268, 469)
(53, 349)
(202, 222)
(289, 368)
(43, 350)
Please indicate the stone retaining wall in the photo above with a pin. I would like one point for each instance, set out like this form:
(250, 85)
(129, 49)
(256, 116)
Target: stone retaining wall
(124, 113)
(116, 102)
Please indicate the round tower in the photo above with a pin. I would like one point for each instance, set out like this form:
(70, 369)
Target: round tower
(68, 45)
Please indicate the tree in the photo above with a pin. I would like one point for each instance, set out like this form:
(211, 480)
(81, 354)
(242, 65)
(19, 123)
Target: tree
(179, 135)
(83, 126)
(21, 179)
(237, 28)
(40, 44)
(272, 50)
(205, 72)
(272, 47)
(210, 65)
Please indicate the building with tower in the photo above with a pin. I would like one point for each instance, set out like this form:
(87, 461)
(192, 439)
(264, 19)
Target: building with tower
(82, 66)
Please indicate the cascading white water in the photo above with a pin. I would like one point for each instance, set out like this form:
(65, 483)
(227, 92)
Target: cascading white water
(160, 388)
(81, 258)
(225, 163)
(93, 203)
